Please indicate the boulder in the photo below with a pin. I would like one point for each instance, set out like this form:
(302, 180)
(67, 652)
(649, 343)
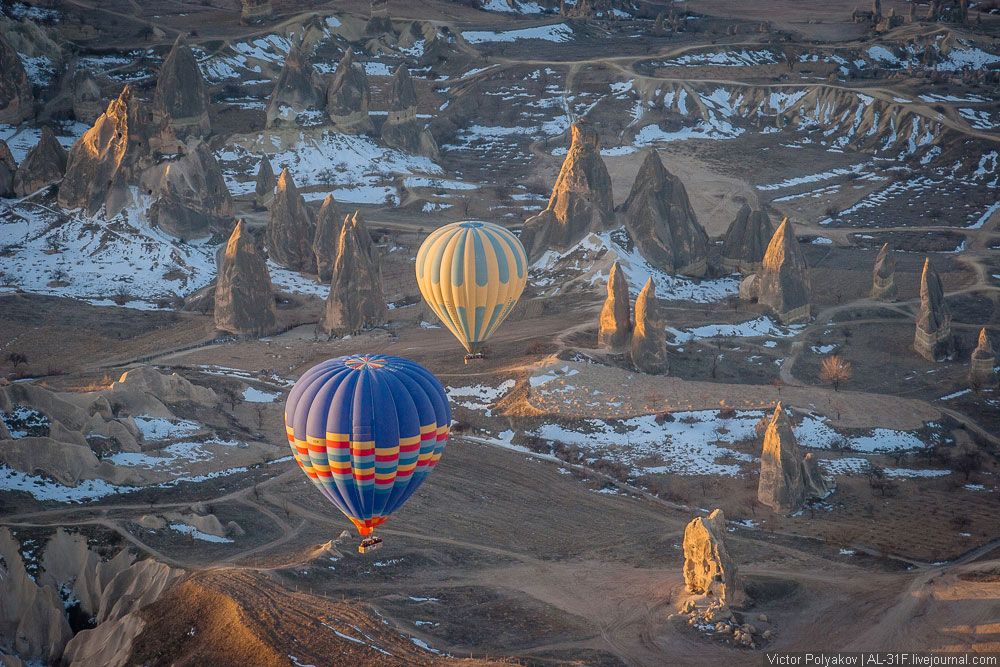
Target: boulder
(649, 336)
(616, 314)
(402, 129)
(356, 299)
(256, 11)
(661, 222)
(982, 367)
(708, 568)
(88, 103)
(152, 522)
(181, 97)
(244, 299)
(44, 164)
(295, 91)
(234, 529)
(348, 96)
(291, 230)
(328, 226)
(170, 389)
(746, 240)
(17, 101)
(883, 275)
(933, 339)
(581, 200)
(264, 188)
(749, 289)
(787, 479)
(8, 167)
(191, 199)
(784, 281)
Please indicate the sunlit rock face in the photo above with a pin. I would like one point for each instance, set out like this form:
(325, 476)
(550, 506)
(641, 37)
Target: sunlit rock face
(982, 373)
(659, 218)
(328, 225)
(295, 91)
(581, 200)
(16, 98)
(933, 339)
(616, 317)
(649, 336)
(347, 97)
(787, 479)
(45, 163)
(746, 241)
(708, 568)
(181, 98)
(784, 280)
(402, 129)
(244, 300)
(884, 275)
(356, 300)
(291, 230)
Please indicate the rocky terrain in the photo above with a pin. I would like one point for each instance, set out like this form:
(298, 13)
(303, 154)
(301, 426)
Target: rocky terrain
(748, 396)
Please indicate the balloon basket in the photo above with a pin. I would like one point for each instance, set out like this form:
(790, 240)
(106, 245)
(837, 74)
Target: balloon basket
(476, 355)
(370, 544)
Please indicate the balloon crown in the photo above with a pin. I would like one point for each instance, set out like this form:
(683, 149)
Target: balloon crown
(365, 361)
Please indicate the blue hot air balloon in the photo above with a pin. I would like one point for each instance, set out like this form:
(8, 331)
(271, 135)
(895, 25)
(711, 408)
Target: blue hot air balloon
(367, 429)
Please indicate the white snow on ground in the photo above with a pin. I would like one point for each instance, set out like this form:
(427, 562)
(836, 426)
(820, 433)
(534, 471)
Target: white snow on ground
(158, 428)
(521, 7)
(980, 119)
(243, 374)
(844, 465)
(814, 431)
(762, 326)
(356, 163)
(579, 259)
(480, 396)
(100, 260)
(22, 138)
(294, 282)
(724, 58)
(197, 534)
(812, 178)
(441, 183)
(909, 472)
(686, 445)
(559, 32)
(955, 395)
(539, 380)
(254, 395)
(173, 460)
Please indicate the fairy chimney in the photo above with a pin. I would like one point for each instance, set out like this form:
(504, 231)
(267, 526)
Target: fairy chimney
(784, 281)
(181, 97)
(190, 196)
(328, 226)
(746, 240)
(616, 317)
(256, 11)
(581, 200)
(295, 91)
(402, 129)
(933, 339)
(45, 163)
(17, 101)
(883, 275)
(356, 299)
(348, 96)
(660, 220)
(708, 568)
(8, 167)
(244, 300)
(263, 193)
(649, 335)
(982, 367)
(291, 229)
(88, 103)
(787, 478)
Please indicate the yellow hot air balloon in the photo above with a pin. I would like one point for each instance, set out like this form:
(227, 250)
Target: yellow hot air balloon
(471, 274)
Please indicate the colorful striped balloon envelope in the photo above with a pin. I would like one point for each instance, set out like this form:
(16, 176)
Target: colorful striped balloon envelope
(471, 274)
(367, 429)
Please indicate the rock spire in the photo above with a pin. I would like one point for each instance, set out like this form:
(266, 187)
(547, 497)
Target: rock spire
(616, 316)
(244, 300)
(327, 238)
(356, 299)
(787, 478)
(933, 339)
(402, 129)
(181, 97)
(45, 163)
(348, 96)
(883, 275)
(746, 240)
(649, 335)
(708, 568)
(982, 373)
(291, 229)
(784, 281)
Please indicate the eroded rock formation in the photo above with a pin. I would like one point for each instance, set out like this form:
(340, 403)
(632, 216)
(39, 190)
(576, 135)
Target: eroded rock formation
(581, 200)
(933, 339)
(44, 164)
(291, 229)
(982, 373)
(356, 299)
(88, 104)
(181, 98)
(883, 275)
(661, 222)
(616, 314)
(17, 101)
(264, 188)
(746, 241)
(784, 281)
(8, 167)
(348, 96)
(295, 91)
(191, 198)
(787, 479)
(244, 300)
(255, 11)
(708, 568)
(649, 335)
(402, 129)
(328, 225)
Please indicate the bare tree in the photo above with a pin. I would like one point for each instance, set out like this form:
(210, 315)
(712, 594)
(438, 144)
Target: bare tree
(835, 369)
(968, 461)
(16, 359)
